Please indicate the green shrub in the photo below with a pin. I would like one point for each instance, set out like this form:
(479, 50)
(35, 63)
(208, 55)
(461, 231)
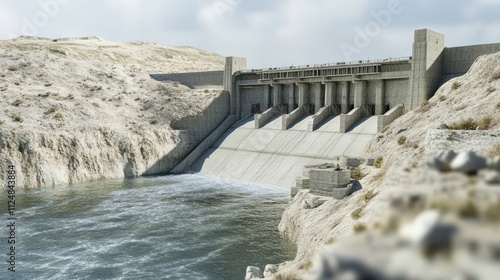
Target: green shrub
(58, 116)
(442, 98)
(490, 90)
(402, 140)
(456, 85)
(2, 122)
(378, 162)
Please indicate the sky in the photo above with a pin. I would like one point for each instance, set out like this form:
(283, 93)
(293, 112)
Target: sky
(269, 33)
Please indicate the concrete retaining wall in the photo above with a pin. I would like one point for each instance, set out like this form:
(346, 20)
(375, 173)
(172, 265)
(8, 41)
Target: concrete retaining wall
(389, 117)
(348, 120)
(318, 118)
(254, 95)
(457, 61)
(194, 79)
(289, 119)
(396, 92)
(185, 164)
(262, 119)
(199, 127)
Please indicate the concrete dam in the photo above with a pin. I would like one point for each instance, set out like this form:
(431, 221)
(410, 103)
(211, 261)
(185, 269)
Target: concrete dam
(269, 123)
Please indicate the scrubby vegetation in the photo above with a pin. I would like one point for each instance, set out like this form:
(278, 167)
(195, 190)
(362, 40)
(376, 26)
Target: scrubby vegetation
(378, 162)
(456, 85)
(402, 140)
(471, 124)
(495, 152)
(357, 173)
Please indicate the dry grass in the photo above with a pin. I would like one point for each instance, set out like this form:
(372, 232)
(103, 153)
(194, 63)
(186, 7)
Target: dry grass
(456, 85)
(426, 106)
(284, 277)
(495, 151)
(51, 110)
(17, 102)
(17, 118)
(496, 75)
(402, 140)
(471, 124)
(359, 228)
(356, 214)
(357, 173)
(369, 195)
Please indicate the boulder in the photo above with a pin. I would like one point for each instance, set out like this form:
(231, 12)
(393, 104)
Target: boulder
(491, 177)
(306, 205)
(253, 272)
(317, 201)
(494, 163)
(401, 130)
(270, 270)
(442, 126)
(427, 230)
(468, 162)
(442, 161)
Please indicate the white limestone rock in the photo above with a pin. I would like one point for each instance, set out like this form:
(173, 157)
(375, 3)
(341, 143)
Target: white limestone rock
(442, 161)
(306, 205)
(468, 162)
(491, 177)
(427, 229)
(270, 270)
(253, 273)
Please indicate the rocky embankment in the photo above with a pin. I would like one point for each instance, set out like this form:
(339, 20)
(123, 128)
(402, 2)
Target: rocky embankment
(84, 109)
(428, 209)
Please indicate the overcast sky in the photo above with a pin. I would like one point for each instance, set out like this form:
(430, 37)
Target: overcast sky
(267, 32)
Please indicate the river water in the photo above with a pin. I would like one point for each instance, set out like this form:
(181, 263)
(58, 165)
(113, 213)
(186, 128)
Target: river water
(172, 227)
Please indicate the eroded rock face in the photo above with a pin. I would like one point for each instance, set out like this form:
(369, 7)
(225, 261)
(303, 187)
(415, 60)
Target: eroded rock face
(253, 273)
(51, 158)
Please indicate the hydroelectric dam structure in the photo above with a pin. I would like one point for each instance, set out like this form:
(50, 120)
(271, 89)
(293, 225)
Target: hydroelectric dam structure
(269, 123)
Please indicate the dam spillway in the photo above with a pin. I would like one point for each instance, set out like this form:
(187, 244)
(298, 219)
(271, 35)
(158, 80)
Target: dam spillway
(269, 123)
(272, 156)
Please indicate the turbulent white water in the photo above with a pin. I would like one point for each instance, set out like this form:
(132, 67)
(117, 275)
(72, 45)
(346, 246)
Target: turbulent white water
(174, 227)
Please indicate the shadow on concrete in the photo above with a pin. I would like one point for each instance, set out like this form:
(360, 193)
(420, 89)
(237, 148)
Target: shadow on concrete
(325, 122)
(357, 124)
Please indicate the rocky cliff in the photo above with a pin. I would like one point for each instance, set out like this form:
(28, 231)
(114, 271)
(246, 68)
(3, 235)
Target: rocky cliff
(86, 109)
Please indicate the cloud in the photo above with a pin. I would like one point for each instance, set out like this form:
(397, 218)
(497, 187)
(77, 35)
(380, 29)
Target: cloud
(268, 33)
